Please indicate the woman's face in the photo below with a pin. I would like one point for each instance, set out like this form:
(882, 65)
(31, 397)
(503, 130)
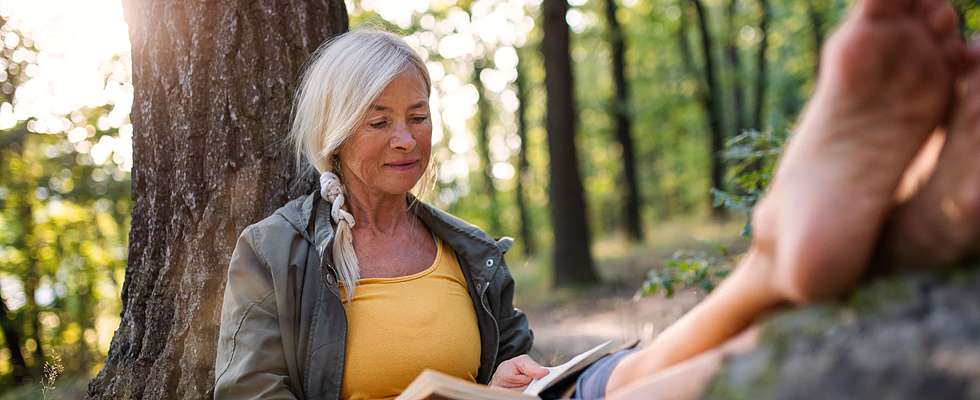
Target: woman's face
(389, 151)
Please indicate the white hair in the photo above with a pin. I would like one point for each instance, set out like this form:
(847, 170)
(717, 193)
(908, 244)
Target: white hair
(343, 77)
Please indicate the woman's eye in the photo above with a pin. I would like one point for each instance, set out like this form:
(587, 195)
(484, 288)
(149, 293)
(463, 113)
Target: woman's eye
(419, 119)
(379, 124)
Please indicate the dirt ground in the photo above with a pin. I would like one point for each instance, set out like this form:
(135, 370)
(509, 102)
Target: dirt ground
(567, 322)
(601, 314)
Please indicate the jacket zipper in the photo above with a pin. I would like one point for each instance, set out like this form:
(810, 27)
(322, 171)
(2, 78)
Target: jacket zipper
(496, 326)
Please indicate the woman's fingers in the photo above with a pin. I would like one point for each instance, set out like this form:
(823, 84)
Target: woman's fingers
(527, 366)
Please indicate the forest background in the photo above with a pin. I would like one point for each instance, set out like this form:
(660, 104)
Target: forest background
(681, 106)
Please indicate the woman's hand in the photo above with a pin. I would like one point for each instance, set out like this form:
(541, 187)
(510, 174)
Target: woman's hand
(517, 373)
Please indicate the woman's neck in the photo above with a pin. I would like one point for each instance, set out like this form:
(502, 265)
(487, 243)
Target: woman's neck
(377, 212)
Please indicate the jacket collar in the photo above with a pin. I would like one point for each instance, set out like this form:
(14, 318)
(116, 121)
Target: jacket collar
(310, 216)
(481, 253)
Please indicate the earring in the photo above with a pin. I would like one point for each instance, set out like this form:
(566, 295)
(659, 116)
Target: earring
(335, 164)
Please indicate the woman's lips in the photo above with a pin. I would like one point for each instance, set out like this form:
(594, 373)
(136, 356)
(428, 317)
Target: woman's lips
(403, 166)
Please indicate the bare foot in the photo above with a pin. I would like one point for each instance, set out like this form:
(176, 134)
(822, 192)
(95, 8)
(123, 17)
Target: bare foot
(938, 224)
(886, 83)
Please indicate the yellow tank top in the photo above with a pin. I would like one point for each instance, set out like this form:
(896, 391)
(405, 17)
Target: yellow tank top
(398, 327)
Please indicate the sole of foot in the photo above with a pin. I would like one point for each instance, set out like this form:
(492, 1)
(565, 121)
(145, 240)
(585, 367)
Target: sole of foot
(886, 83)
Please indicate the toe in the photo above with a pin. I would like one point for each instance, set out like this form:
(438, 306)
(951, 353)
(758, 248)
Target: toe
(942, 20)
(967, 113)
(971, 54)
(887, 8)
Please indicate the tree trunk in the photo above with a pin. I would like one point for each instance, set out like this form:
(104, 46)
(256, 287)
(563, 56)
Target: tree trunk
(817, 30)
(572, 252)
(711, 100)
(12, 338)
(735, 66)
(483, 147)
(762, 65)
(214, 83)
(523, 167)
(623, 115)
(683, 31)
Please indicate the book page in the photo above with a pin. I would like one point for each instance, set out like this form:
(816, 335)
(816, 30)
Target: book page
(554, 373)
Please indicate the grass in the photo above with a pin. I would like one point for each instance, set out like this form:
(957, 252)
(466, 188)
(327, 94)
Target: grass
(67, 387)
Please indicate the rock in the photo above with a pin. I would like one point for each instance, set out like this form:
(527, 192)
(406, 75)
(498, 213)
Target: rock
(903, 337)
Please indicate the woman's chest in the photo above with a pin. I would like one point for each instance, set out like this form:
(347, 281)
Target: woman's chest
(379, 258)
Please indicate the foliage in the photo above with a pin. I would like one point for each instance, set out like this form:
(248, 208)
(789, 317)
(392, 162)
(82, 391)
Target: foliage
(65, 208)
(701, 269)
(751, 158)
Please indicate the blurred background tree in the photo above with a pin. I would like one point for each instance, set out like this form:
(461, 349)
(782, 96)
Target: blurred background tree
(668, 81)
(64, 208)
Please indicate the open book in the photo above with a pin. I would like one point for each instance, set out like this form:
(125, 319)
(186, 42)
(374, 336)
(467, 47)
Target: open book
(434, 385)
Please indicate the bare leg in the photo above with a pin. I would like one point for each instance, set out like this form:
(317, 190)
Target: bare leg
(887, 82)
(687, 379)
(741, 298)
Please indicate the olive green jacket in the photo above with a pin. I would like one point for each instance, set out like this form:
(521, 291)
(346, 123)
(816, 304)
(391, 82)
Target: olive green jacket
(283, 329)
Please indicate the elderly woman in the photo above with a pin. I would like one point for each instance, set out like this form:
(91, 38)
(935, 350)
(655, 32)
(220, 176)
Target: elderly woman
(357, 314)
(352, 291)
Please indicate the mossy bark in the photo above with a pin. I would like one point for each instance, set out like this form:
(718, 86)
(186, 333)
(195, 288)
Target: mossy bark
(904, 337)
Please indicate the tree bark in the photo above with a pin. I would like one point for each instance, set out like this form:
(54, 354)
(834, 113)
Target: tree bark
(711, 100)
(483, 147)
(572, 252)
(622, 112)
(523, 167)
(214, 83)
(762, 66)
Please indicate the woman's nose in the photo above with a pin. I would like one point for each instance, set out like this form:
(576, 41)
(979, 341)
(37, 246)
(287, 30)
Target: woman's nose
(403, 139)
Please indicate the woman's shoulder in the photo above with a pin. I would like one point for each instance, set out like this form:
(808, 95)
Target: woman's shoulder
(278, 232)
(291, 216)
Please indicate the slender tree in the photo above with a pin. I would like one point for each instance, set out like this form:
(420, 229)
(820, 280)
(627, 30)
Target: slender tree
(483, 113)
(32, 277)
(735, 69)
(12, 339)
(572, 254)
(762, 66)
(523, 167)
(622, 112)
(710, 96)
(683, 31)
(816, 19)
(19, 326)
(213, 87)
